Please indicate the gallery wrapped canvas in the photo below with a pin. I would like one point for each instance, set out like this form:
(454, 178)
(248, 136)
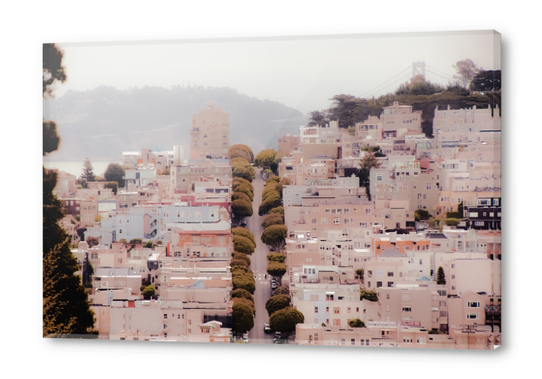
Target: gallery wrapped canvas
(325, 190)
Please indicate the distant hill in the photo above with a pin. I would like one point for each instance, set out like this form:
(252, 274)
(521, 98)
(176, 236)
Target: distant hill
(102, 123)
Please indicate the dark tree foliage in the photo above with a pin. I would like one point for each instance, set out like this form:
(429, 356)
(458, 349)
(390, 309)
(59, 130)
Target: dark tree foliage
(87, 175)
(281, 291)
(441, 279)
(276, 257)
(244, 282)
(87, 269)
(272, 219)
(240, 231)
(238, 255)
(277, 210)
(243, 318)
(247, 302)
(318, 118)
(275, 236)
(92, 241)
(242, 293)
(356, 323)
(240, 196)
(286, 319)
(66, 309)
(489, 81)
(241, 208)
(243, 245)
(276, 269)
(368, 295)
(115, 173)
(276, 303)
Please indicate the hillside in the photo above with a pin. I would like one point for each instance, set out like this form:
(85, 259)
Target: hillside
(103, 122)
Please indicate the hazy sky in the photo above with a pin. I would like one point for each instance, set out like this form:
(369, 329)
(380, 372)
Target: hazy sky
(301, 73)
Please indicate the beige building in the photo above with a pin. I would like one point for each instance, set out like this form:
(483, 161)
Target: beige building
(210, 133)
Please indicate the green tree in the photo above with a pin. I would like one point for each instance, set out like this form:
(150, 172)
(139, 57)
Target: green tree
(243, 245)
(242, 293)
(271, 201)
(245, 190)
(148, 245)
(466, 70)
(87, 270)
(441, 279)
(87, 175)
(276, 257)
(241, 208)
(281, 291)
(276, 303)
(277, 210)
(92, 241)
(265, 158)
(272, 219)
(276, 269)
(242, 151)
(286, 319)
(243, 318)
(245, 173)
(113, 185)
(115, 173)
(244, 282)
(486, 81)
(240, 231)
(275, 236)
(240, 196)
(66, 309)
(368, 295)
(356, 323)
(245, 301)
(238, 262)
(359, 273)
(149, 292)
(238, 255)
(318, 118)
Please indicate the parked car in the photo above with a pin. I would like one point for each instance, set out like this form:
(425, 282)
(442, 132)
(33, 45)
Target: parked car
(267, 328)
(278, 334)
(245, 337)
(243, 223)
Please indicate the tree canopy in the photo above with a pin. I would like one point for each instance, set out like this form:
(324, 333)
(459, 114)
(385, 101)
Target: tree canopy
(240, 231)
(242, 151)
(466, 70)
(286, 319)
(244, 282)
(273, 200)
(272, 219)
(240, 292)
(115, 173)
(66, 309)
(277, 210)
(356, 323)
(489, 81)
(238, 255)
(243, 245)
(276, 303)
(87, 175)
(275, 236)
(276, 257)
(276, 269)
(243, 317)
(241, 208)
(265, 158)
(240, 196)
(281, 291)
(441, 278)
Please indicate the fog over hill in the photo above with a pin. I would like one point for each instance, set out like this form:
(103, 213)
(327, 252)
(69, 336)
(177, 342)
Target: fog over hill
(102, 123)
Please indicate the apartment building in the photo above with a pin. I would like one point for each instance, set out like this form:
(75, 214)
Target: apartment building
(210, 133)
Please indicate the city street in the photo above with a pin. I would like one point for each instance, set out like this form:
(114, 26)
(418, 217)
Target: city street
(259, 267)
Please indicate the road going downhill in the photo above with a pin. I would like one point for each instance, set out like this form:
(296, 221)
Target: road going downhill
(259, 267)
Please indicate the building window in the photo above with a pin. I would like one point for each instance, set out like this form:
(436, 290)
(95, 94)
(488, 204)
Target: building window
(472, 316)
(473, 304)
(407, 309)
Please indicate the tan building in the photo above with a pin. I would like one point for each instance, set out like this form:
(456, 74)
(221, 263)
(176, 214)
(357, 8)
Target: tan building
(210, 133)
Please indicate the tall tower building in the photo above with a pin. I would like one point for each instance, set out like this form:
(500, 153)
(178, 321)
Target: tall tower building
(210, 133)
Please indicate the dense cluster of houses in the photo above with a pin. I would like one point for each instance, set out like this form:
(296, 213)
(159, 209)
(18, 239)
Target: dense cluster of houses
(169, 227)
(343, 238)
